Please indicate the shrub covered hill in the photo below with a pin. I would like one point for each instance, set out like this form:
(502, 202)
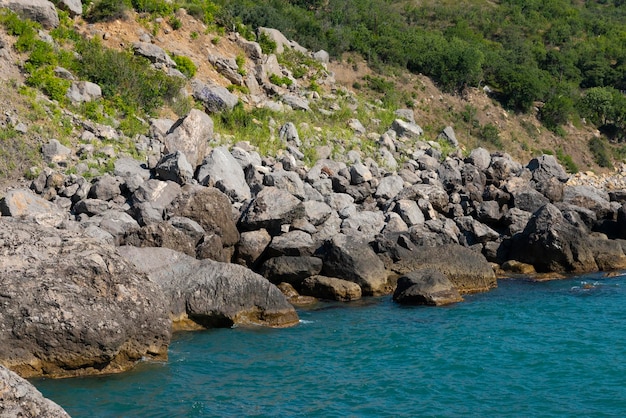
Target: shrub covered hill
(524, 77)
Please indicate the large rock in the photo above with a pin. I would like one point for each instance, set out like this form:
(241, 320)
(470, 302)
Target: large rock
(206, 293)
(73, 7)
(154, 53)
(41, 11)
(275, 35)
(24, 204)
(208, 207)
(174, 167)
(83, 91)
(251, 245)
(355, 261)
(426, 287)
(467, 270)
(220, 169)
(291, 269)
(330, 288)
(551, 244)
(19, 398)
(72, 306)
(270, 209)
(190, 136)
(214, 98)
(588, 197)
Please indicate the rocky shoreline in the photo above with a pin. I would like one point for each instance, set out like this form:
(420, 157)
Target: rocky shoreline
(98, 272)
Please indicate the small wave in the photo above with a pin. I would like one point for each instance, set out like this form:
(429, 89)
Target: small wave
(304, 321)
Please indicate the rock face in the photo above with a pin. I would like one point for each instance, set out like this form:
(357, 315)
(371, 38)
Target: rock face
(19, 398)
(209, 294)
(467, 270)
(426, 287)
(330, 288)
(72, 306)
(355, 261)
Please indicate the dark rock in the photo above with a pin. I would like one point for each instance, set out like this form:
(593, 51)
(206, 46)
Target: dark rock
(271, 208)
(475, 232)
(287, 181)
(552, 244)
(162, 234)
(467, 270)
(208, 207)
(174, 167)
(353, 260)
(588, 197)
(291, 243)
(291, 269)
(210, 294)
(214, 98)
(435, 232)
(106, 187)
(211, 247)
(426, 287)
(323, 287)
(294, 297)
(72, 306)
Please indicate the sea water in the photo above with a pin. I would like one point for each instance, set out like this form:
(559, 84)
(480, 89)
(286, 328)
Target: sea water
(525, 349)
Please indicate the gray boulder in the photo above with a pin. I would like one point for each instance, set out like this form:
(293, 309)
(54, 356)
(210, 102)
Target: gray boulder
(220, 169)
(19, 398)
(322, 56)
(410, 213)
(426, 287)
(106, 187)
(588, 197)
(209, 294)
(550, 243)
(24, 204)
(228, 68)
(355, 261)
(480, 158)
(288, 181)
(210, 208)
(275, 35)
(156, 194)
(316, 212)
(174, 167)
(154, 53)
(407, 129)
(291, 243)
(55, 152)
(73, 7)
(83, 91)
(331, 288)
(291, 269)
(214, 98)
(271, 208)
(163, 234)
(251, 245)
(41, 11)
(289, 133)
(449, 136)
(72, 306)
(389, 187)
(467, 270)
(296, 102)
(190, 135)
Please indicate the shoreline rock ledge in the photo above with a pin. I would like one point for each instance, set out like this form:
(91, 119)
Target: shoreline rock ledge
(71, 305)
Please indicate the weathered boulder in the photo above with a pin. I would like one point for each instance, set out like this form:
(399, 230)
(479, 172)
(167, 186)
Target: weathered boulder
(294, 297)
(106, 187)
(275, 35)
(480, 158)
(332, 288)
(19, 398)
(271, 208)
(206, 293)
(72, 306)
(163, 234)
(467, 270)
(228, 68)
(208, 207)
(389, 187)
(291, 269)
(154, 53)
(190, 135)
(214, 98)
(550, 243)
(41, 11)
(449, 136)
(353, 260)
(174, 167)
(588, 197)
(285, 180)
(221, 170)
(426, 287)
(407, 129)
(73, 7)
(251, 245)
(291, 243)
(24, 204)
(83, 91)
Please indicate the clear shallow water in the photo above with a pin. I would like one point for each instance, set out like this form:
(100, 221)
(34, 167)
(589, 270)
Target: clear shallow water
(525, 349)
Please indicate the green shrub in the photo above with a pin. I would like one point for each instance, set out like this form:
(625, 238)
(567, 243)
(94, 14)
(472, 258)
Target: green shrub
(268, 45)
(44, 79)
(241, 60)
(175, 23)
(157, 7)
(279, 81)
(567, 161)
(185, 65)
(600, 153)
(25, 30)
(490, 133)
(131, 78)
(107, 10)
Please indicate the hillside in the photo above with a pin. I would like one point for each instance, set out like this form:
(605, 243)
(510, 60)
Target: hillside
(477, 118)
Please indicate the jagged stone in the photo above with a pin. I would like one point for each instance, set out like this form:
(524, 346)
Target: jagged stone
(174, 167)
(24, 204)
(251, 246)
(271, 208)
(449, 136)
(291, 269)
(41, 11)
(214, 98)
(407, 129)
(426, 287)
(331, 288)
(220, 169)
(55, 152)
(288, 181)
(209, 294)
(190, 135)
(154, 53)
(83, 91)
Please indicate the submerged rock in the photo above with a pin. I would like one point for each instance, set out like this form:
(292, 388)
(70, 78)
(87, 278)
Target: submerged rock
(426, 287)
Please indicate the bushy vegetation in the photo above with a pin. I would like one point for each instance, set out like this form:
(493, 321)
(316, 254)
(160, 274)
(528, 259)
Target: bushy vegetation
(546, 51)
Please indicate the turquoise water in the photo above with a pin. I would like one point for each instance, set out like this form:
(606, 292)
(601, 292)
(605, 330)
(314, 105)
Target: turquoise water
(525, 349)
